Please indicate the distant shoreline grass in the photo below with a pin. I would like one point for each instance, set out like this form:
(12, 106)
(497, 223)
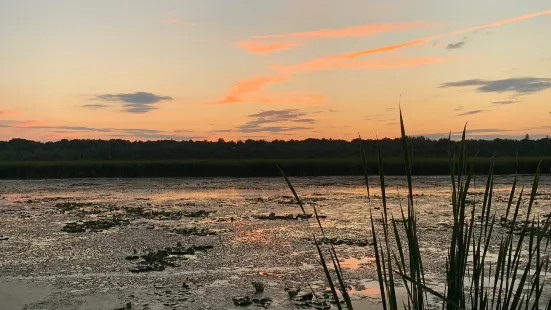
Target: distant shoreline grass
(254, 167)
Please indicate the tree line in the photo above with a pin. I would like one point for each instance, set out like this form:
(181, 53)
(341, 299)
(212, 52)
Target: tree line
(422, 147)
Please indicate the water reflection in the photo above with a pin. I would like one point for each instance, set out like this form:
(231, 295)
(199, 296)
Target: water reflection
(356, 263)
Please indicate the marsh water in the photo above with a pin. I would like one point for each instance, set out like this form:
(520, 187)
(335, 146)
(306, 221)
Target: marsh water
(80, 244)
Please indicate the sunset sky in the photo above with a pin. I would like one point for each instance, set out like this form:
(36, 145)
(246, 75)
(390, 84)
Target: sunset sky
(273, 69)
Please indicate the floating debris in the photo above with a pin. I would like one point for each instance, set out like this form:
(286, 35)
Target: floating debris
(194, 231)
(94, 226)
(292, 291)
(245, 301)
(166, 215)
(159, 260)
(71, 206)
(340, 241)
(273, 216)
(262, 301)
(242, 301)
(305, 299)
(320, 305)
(304, 296)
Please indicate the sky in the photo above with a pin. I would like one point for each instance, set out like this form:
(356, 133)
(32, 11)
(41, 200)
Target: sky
(285, 69)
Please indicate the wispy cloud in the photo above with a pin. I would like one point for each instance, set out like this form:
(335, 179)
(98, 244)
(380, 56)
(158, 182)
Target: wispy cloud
(453, 46)
(340, 61)
(71, 132)
(95, 106)
(239, 90)
(253, 90)
(522, 85)
(259, 47)
(274, 116)
(491, 133)
(354, 31)
(505, 102)
(459, 108)
(484, 130)
(275, 121)
(138, 102)
(470, 132)
(247, 128)
(255, 47)
(437, 37)
(472, 112)
(505, 21)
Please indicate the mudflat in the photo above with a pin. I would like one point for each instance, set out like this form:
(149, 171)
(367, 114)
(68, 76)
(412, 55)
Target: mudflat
(200, 243)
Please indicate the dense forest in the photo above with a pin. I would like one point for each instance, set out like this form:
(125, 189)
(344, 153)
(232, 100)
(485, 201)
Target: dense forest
(100, 150)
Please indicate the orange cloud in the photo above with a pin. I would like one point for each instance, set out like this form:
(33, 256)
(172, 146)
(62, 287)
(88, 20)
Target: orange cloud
(253, 90)
(427, 39)
(505, 21)
(387, 48)
(241, 89)
(254, 47)
(355, 31)
(257, 47)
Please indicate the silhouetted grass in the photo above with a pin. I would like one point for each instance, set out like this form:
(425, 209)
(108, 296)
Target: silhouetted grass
(515, 281)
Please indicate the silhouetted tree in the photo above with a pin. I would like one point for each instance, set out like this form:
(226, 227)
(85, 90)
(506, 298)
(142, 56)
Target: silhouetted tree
(25, 150)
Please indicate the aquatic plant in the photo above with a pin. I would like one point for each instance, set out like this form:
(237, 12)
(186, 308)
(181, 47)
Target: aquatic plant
(515, 281)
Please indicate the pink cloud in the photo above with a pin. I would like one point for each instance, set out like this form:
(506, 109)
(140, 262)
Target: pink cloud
(242, 89)
(355, 31)
(505, 21)
(427, 39)
(254, 47)
(239, 90)
(259, 47)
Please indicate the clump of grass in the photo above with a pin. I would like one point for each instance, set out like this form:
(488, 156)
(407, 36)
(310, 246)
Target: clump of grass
(515, 281)
(258, 287)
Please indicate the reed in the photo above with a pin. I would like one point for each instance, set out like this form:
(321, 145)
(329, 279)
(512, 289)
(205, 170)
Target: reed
(515, 281)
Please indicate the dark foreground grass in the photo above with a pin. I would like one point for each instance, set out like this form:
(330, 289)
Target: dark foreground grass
(516, 281)
(252, 168)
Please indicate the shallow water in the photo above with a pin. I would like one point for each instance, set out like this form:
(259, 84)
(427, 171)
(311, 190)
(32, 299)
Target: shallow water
(88, 270)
